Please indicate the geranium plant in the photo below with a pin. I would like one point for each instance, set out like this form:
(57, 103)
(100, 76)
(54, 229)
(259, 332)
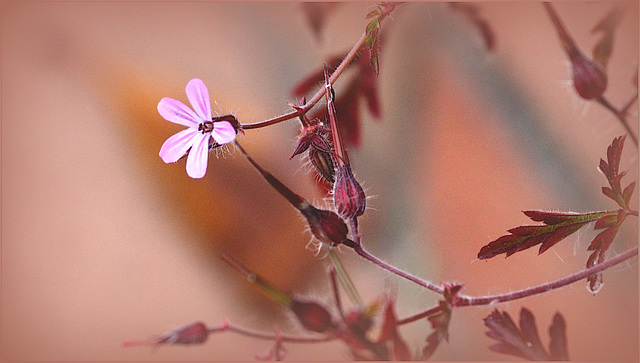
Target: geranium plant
(370, 330)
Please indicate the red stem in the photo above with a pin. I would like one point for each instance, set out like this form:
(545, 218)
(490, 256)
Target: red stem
(416, 317)
(307, 106)
(424, 283)
(620, 114)
(267, 336)
(486, 300)
(567, 42)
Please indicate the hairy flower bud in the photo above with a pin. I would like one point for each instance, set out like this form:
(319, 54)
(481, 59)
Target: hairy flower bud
(316, 138)
(323, 163)
(589, 78)
(348, 196)
(325, 225)
(311, 315)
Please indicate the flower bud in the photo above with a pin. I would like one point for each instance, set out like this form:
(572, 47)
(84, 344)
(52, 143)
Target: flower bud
(325, 225)
(194, 333)
(589, 78)
(316, 138)
(323, 163)
(311, 315)
(348, 196)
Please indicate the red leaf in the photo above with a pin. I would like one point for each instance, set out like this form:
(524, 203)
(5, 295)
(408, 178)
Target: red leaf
(606, 222)
(614, 152)
(390, 332)
(558, 227)
(628, 191)
(348, 113)
(439, 321)
(524, 341)
(317, 13)
(558, 333)
(610, 169)
(316, 78)
(609, 193)
(604, 238)
(368, 83)
(552, 217)
(596, 280)
(559, 235)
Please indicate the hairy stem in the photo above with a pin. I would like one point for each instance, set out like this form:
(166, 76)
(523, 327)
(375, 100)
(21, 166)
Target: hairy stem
(486, 300)
(424, 283)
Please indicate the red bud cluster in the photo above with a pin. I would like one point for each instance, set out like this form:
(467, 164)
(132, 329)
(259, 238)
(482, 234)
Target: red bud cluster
(316, 138)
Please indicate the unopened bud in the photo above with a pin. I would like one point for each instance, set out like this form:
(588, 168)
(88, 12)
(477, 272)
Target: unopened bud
(195, 333)
(326, 226)
(589, 78)
(348, 196)
(323, 163)
(312, 316)
(316, 138)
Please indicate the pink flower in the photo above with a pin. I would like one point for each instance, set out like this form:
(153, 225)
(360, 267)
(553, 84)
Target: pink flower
(201, 128)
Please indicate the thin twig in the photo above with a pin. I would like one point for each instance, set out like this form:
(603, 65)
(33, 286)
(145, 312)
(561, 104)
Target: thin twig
(620, 115)
(486, 300)
(424, 283)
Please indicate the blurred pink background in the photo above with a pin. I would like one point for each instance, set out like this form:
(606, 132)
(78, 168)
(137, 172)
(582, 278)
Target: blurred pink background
(103, 243)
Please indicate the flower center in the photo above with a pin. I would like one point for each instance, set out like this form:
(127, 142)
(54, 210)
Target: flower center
(205, 127)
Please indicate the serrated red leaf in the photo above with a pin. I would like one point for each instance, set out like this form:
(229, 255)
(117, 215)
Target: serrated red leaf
(628, 192)
(609, 193)
(439, 321)
(614, 153)
(529, 330)
(596, 280)
(524, 237)
(524, 341)
(526, 243)
(604, 239)
(389, 332)
(559, 235)
(368, 89)
(604, 168)
(523, 230)
(552, 218)
(317, 13)
(558, 332)
(606, 222)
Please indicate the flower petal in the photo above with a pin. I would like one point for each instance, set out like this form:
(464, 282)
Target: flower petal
(177, 112)
(175, 146)
(198, 95)
(223, 132)
(198, 156)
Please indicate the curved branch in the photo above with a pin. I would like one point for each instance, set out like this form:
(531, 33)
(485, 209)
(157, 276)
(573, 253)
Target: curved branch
(486, 300)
